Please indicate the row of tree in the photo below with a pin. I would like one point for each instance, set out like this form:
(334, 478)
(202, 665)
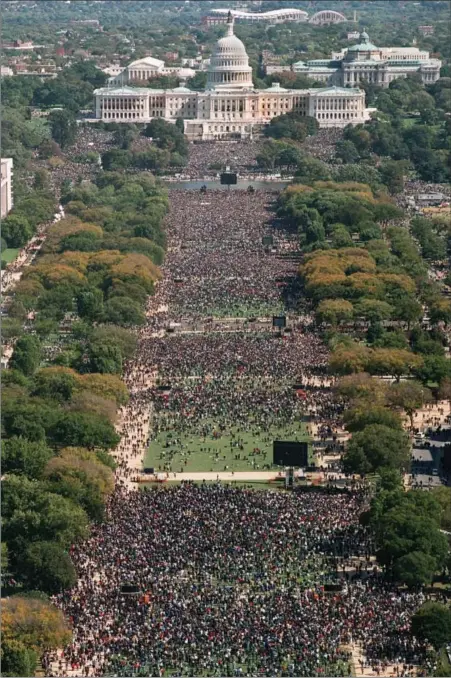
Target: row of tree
(61, 392)
(366, 276)
(421, 142)
(169, 147)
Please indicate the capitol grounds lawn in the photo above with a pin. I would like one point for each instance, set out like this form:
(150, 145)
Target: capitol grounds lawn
(9, 254)
(201, 461)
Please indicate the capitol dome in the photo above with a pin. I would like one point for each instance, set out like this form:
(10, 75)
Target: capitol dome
(230, 46)
(229, 64)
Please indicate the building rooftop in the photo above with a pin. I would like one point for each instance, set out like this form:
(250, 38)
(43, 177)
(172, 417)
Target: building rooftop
(336, 90)
(147, 61)
(115, 91)
(239, 14)
(276, 87)
(363, 46)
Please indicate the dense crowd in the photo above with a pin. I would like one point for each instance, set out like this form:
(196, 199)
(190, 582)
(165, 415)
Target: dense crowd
(322, 144)
(218, 263)
(229, 377)
(208, 158)
(228, 581)
(231, 582)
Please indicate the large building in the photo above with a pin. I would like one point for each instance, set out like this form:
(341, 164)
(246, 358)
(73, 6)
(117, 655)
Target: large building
(145, 68)
(6, 186)
(230, 106)
(274, 16)
(365, 61)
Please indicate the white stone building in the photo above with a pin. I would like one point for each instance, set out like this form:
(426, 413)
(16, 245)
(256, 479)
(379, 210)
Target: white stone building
(6, 186)
(273, 16)
(365, 61)
(230, 106)
(148, 67)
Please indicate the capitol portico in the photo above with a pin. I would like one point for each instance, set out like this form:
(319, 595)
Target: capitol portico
(230, 106)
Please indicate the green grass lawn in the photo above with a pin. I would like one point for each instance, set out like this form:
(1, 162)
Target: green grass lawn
(213, 454)
(9, 254)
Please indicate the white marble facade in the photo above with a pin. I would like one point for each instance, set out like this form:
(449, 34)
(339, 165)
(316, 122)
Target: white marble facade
(377, 65)
(229, 106)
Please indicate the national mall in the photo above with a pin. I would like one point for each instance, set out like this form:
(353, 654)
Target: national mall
(230, 106)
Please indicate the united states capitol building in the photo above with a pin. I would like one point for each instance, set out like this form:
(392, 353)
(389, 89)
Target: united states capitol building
(230, 106)
(365, 61)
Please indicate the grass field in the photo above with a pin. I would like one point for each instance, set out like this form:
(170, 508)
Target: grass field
(9, 254)
(196, 454)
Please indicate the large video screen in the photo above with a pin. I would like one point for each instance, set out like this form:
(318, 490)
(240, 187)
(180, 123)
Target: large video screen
(290, 453)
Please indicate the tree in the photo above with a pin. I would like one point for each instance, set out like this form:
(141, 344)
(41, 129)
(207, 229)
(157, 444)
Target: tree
(435, 369)
(361, 386)
(27, 355)
(365, 414)
(125, 136)
(347, 151)
(349, 359)
(17, 310)
(440, 311)
(341, 237)
(442, 495)
(407, 309)
(63, 126)
(287, 126)
(409, 396)
(16, 230)
(41, 180)
(415, 569)
(377, 446)
(31, 514)
(392, 175)
(11, 329)
(83, 429)
(334, 311)
(85, 401)
(90, 303)
(105, 385)
(310, 226)
(406, 526)
(390, 480)
(79, 475)
(105, 358)
(24, 457)
(119, 336)
(57, 383)
(18, 660)
(396, 362)
(374, 310)
(198, 81)
(46, 566)
(123, 311)
(432, 624)
(38, 625)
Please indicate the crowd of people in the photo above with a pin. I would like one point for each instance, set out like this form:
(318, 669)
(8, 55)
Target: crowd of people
(209, 579)
(222, 581)
(229, 377)
(208, 158)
